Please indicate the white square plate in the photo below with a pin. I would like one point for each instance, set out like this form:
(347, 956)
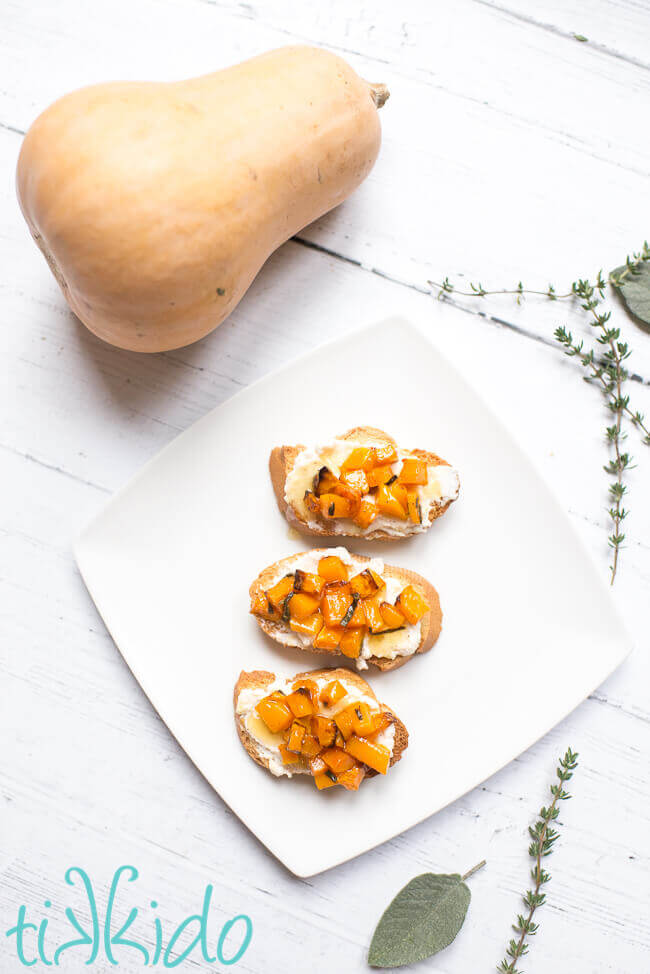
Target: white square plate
(170, 560)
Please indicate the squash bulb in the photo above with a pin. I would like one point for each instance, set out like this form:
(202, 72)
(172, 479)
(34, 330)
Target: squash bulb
(156, 204)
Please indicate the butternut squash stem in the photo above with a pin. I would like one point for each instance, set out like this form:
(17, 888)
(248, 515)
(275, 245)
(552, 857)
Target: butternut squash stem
(379, 94)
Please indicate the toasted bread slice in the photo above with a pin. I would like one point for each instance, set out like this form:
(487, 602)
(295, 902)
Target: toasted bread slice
(430, 623)
(282, 461)
(263, 678)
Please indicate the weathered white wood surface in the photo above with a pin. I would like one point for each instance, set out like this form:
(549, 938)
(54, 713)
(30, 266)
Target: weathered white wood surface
(511, 151)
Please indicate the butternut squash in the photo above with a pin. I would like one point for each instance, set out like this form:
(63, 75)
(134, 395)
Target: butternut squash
(156, 204)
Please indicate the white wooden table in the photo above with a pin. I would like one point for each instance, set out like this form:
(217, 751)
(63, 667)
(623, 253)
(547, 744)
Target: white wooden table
(511, 151)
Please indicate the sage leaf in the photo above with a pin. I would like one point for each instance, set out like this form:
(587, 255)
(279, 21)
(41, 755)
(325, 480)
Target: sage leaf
(634, 289)
(423, 918)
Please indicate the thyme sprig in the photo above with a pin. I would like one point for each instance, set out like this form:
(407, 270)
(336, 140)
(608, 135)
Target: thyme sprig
(543, 837)
(606, 368)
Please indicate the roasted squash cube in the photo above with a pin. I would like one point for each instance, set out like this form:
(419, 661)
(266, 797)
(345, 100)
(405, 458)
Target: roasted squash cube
(364, 584)
(413, 472)
(352, 778)
(357, 480)
(332, 693)
(317, 765)
(328, 638)
(325, 780)
(309, 747)
(300, 702)
(411, 604)
(288, 757)
(355, 618)
(374, 617)
(351, 495)
(391, 616)
(310, 626)
(324, 481)
(413, 506)
(361, 719)
(312, 502)
(366, 514)
(333, 505)
(278, 592)
(296, 737)
(276, 714)
(388, 501)
(332, 569)
(381, 721)
(375, 755)
(361, 458)
(309, 685)
(381, 475)
(307, 582)
(260, 606)
(343, 721)
(337, 760)
(386, 453)
(301, 606)
(324, 729)
(335, 603)
(351, 642)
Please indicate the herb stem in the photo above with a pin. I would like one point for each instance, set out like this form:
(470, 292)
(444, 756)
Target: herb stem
(473, 870)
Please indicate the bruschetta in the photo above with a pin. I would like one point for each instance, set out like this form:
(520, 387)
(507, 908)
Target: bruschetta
(325, 723)
(361, 484)
(329, 600)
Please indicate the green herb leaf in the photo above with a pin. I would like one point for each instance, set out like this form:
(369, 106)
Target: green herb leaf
(423, 918)
(581, 38)
(634, 289)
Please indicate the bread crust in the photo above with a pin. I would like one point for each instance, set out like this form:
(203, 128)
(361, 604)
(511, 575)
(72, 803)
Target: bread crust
(281, 462)
(261, 678)
(431, 622)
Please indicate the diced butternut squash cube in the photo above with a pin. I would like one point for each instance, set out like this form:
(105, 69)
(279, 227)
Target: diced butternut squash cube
(325, 780)
(309, 685)
(335, 603)
(300, 702)
(332, 569)
(309, 747)
(296, 737)
(351, 642)
(413, 506)
(366, 514)
(391, 615)
(364, 584)
(324, 481)
(288, 757)
(332, 693)
(361, 458)
(375, 755)
(388, 502)
(328, 638)
(276, 714)
(260, 606)
(381, 721)
(381, 475)
(413, 472)
(352, 778)
(333, 505)
(302, 606)
(351, 495)
(411, 604)
(357, 480)
(343, 721)
(317, 765)
(312, 502)
(361, 719)
(385, 454)
(337, 760)
(278, 592)
(324, 729)
(374, 617)
(310, 626)
(355, 618)
(307, 582)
